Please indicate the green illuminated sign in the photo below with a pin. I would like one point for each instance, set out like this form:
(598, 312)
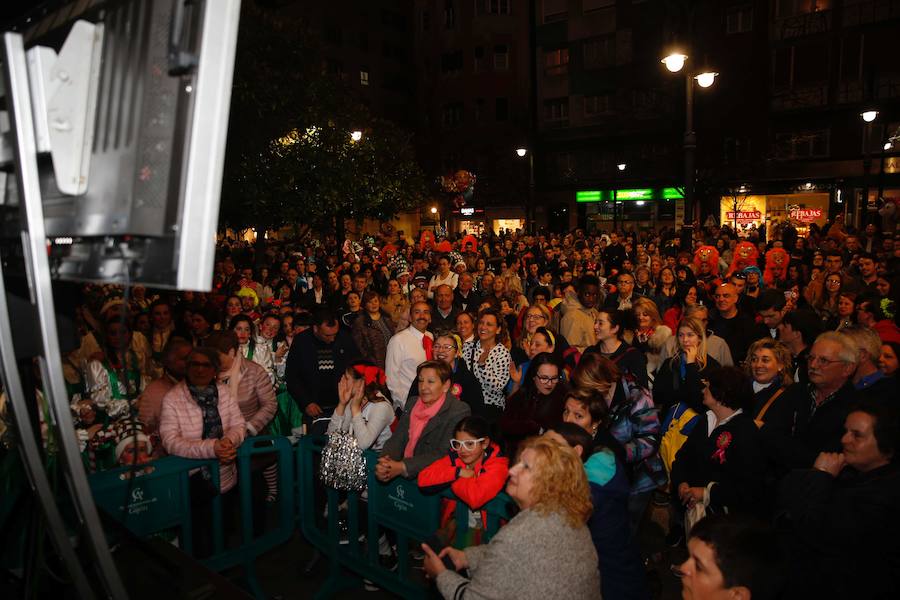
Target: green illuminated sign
(669, 193)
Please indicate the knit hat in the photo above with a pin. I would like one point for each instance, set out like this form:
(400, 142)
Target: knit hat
(127, 432)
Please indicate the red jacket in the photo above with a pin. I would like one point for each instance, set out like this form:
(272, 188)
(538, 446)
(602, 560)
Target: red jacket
(490, 477)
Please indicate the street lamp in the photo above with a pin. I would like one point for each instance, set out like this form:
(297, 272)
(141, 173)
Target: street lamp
(675, 62)
(621, 166)
(356, 135)
(706, 79)
(868, 116)
(522, 152)
(434, 214)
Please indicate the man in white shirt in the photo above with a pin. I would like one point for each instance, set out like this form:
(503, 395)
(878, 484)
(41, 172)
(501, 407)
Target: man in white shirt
(406, 351)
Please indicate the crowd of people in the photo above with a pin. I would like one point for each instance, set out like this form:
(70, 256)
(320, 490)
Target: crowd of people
(589, 375)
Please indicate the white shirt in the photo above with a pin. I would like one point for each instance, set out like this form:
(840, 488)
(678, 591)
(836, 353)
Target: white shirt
(405, 353)
(452, 280)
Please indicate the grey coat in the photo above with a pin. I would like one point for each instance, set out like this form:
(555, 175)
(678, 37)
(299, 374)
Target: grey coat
(534, 557)
(434, 442)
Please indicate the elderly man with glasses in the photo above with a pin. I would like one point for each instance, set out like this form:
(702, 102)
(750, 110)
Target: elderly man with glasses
(819, 408)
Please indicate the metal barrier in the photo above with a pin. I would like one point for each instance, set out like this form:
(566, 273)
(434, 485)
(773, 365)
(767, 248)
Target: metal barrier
(397, 507)
(159, 500)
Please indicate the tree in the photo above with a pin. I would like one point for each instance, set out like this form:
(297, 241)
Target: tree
(291, 158)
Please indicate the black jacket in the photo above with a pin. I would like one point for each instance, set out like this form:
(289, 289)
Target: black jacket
(798, 434)
(731, 456)
(738, 332)
(670, 388)
(469, 303)
(314, 367)
(630, 360)
(842, 533)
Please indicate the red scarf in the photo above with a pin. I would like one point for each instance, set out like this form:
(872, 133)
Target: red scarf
(418, 419)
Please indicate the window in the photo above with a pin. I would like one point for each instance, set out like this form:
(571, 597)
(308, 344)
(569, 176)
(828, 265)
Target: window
(556, 109)
(451, 115)
(334, 67)
(554, 10)
(598, 105)
(333, 34)
(492, 7)
(592, 5)
(449, 15)
(452, 62)
(501, 57)
(364, 76)
(479, 59)
(600, 52)
(790, 8)
(851, 57)
(736, 150)
(646, 100)
(479, 110)
(501, 109)
(556, 62)
(739, 19)
(801, 144)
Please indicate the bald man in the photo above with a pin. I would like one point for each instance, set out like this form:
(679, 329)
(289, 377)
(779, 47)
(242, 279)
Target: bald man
(739, 329)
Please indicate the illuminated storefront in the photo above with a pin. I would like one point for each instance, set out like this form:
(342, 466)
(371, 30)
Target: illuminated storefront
(751, 211)
(645, 206)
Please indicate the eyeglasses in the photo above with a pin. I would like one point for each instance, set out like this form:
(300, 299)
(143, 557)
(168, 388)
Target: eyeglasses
(821, 360)
(547, 378)
(444, 346)
(739, 276)
(535, 317)
(467, 445)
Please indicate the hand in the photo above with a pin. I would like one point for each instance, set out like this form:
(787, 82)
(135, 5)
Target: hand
(225, 451)
(433, 564)
(466, 473)
(514, 373)
(344, 391)
(282, 350)
(457, 556)
(690, 354)
(388, 469)
(830, 462)
(693, 496)
(683, 490)
(357, 395)
(313, 410)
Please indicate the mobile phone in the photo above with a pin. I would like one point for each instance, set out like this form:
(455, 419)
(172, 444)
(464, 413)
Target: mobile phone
(437, 544)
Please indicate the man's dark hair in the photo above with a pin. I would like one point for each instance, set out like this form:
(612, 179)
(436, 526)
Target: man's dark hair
(868, 255)
(730, 386)
(587, 280)
(834, 253)
(576, 435)
(874, 304)
(887, 425)
(746, 551)
(806, 322)
(771, 299)
(542, 291)
(323, 316)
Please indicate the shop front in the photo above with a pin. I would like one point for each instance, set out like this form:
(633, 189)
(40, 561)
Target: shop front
(641, 207)
(748, 212)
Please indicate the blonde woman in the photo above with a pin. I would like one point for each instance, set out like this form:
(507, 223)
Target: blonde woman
(678, 380)
(770, 366)
(550, 487)
(650, 335)
(536, 316)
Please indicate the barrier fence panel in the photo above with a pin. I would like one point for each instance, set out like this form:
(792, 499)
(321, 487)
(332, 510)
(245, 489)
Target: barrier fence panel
(159, 501)
(397, 509)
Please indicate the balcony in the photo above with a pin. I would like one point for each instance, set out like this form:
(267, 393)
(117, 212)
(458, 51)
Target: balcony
(873, 11)
(792, 98)
(802, 25)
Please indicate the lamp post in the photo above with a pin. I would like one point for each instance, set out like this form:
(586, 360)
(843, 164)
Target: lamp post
(620, 168)
(675, 62)
(436, 217)
(522, 152)
(868, 116)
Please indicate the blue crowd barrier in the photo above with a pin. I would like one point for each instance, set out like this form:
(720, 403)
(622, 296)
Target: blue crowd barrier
(159, 501)
(397, 507)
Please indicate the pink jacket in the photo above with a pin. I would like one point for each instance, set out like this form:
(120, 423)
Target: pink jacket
(181, 428)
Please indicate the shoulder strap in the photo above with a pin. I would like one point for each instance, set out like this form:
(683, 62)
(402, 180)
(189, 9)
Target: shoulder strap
(759, 418)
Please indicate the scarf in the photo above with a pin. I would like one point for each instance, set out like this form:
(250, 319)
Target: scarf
(418, 419)
(207, 398)
(232, 377)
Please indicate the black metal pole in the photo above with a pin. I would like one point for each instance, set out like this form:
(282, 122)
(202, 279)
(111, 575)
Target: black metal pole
(867, 167)
(690, 146)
